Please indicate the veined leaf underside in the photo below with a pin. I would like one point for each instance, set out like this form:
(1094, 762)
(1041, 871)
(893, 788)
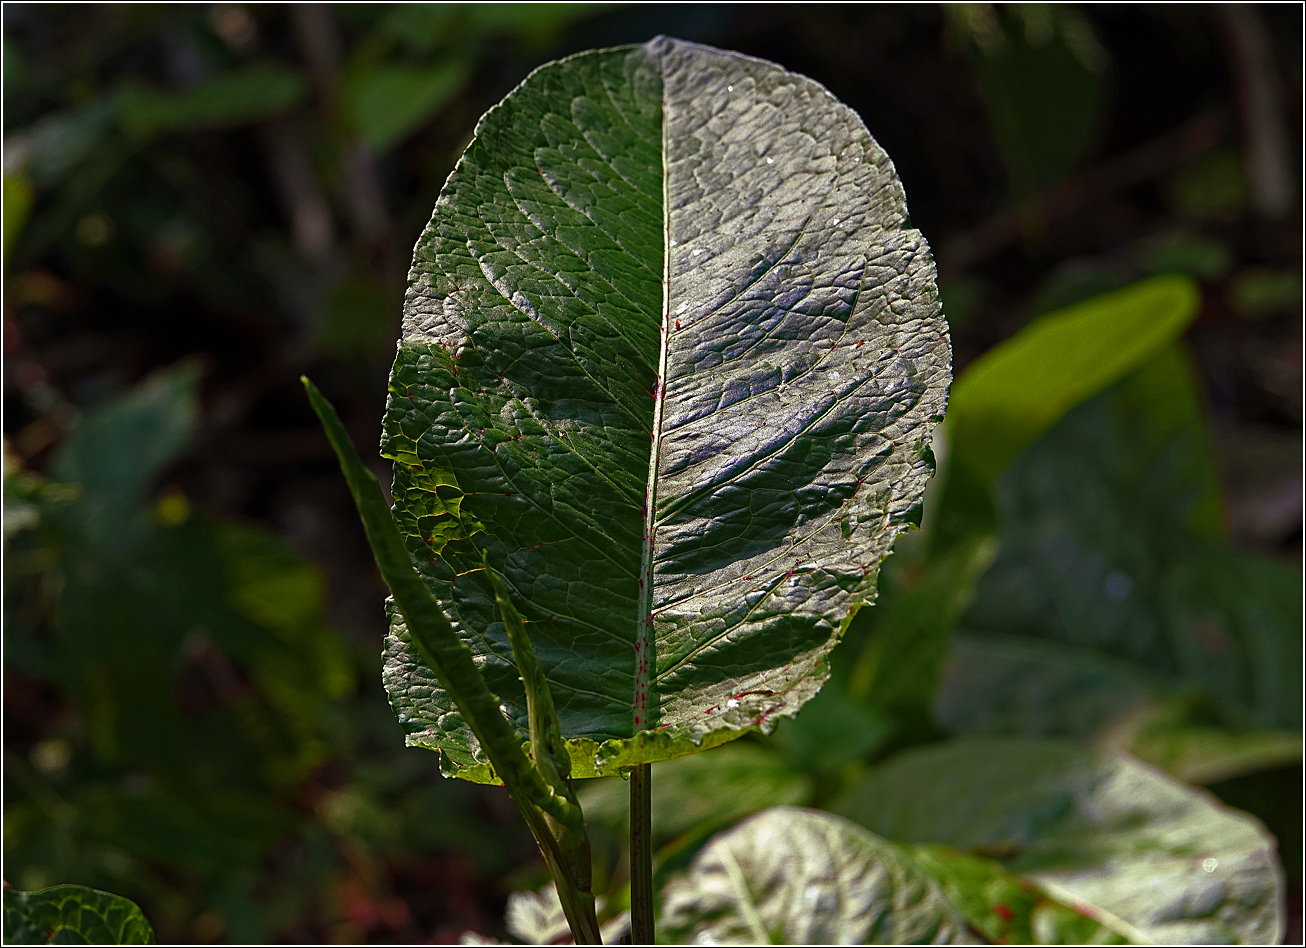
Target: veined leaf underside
(670, 359)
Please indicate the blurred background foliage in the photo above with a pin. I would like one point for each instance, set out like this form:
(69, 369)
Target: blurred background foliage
(202, 202)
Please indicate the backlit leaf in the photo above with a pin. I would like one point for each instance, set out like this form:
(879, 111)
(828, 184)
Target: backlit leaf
(790, 876)
(1016, 391)
(1102, 832)
(670, 360)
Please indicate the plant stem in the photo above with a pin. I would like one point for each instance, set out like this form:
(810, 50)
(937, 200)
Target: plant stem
(641, 856)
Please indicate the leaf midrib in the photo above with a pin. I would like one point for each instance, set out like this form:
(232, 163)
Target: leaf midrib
(645, 659)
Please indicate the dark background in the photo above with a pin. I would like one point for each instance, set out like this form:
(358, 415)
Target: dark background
(241, 187)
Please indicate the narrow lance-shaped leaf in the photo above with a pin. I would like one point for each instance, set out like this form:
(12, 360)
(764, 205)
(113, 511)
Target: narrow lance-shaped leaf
(670, 361)
(540, 791)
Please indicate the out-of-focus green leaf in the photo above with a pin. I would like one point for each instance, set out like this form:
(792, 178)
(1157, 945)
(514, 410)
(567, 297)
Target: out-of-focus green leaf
(359, 319)
(1006, 909)
(1017, 390)
(73, 915)
(1206, 755)
(279, 591)
(198, 661)
(18, 197)
(424, 28)
(1212, 185)
(1257, 292)
(685, 421)
(908, 635)
(1006, 684)
(715, 788)
(387, 102)
(536, 23)
(56, 144)
(1101, 832)
(790, 876)
(1001, 404)
(832, 731)
(244, 94)
(421, 28)
(117, 449)
(268, 583)
(1159, 416)
(1111, 552)
(1197, 255)
(1042, 73)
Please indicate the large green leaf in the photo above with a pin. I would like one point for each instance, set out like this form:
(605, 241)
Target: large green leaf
(73, 915)
(670, 360)
(791, 876)
(1149, 856)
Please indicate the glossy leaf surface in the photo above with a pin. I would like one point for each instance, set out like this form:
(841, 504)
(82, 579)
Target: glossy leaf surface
(73, 915)
(791, 876)
(670, 361)
(1151, 857)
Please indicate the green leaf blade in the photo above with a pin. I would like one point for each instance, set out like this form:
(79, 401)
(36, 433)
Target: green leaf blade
(73, 915)
(1101, 832)
(1007, 909)
(670, 361)
(1013, 393)
(792, 876)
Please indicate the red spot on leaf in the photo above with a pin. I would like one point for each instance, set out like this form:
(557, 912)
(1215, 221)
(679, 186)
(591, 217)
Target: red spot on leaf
(1004, 912)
